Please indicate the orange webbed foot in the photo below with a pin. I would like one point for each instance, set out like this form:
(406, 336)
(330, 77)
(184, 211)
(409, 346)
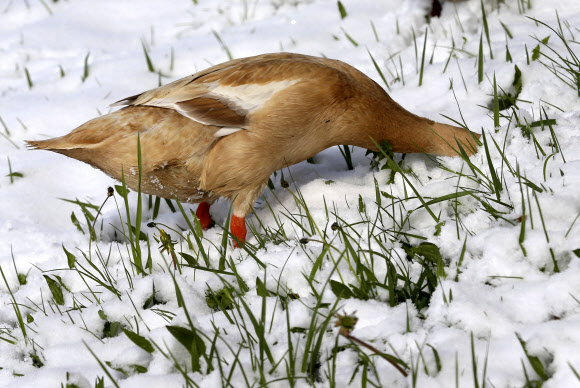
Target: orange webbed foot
(238, 229)
(202, 213)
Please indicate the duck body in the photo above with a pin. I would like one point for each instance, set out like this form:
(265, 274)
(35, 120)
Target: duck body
(223, 131)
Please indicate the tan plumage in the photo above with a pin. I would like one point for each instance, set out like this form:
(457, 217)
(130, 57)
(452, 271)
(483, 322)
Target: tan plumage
(223, 131)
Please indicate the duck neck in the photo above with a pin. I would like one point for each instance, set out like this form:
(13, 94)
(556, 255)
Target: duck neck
(384, 119)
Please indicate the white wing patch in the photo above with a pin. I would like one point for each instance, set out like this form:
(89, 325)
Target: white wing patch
(224, 131)
(248, 97)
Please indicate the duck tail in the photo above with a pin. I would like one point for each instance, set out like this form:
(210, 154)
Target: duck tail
(56, 144)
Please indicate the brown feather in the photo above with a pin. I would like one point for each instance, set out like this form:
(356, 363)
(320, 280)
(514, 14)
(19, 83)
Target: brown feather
(211, 112)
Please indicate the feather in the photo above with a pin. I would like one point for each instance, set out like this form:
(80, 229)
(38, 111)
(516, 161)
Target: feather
(226, 131)
(210, 111)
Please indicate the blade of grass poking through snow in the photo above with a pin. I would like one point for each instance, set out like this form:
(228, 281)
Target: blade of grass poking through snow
(347, 156)
(374, 31)
(379, 70)
(4, 126)
(194, 232)
(103, 367)
(28, 79)
(495, 103)
(16, 308)
(86, 68)
(9, 140)
(150, 66)
(574, 371)
(555, 140)
(156, 207)
(138, 340)
(224, 46)
(447, 198)
(571, 226)
(450, 55)
(523, 216)
(225, 235)
(480, 61)
(534, 361)
(47, 7)
(350, 38)
(316, 334)
(124, 192)
(527, 54)
(486, 29)
(423, 57)
(260, 328)
(139, 215)
(508, 54)
(474, 365)
(307, 362)
(506, 29)
(342, 10)
(556, 269)
(461, 257)
(497, 186)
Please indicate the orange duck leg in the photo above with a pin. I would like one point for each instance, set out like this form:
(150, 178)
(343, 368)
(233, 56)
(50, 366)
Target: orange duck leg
(237, 225)
(238, 229)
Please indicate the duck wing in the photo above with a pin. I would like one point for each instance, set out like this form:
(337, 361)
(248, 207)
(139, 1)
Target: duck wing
(226, 95)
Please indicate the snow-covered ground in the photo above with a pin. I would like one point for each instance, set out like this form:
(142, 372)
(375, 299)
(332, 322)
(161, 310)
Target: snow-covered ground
(63, 62)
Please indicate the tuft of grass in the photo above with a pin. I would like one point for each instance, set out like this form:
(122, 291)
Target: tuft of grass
(566, 67)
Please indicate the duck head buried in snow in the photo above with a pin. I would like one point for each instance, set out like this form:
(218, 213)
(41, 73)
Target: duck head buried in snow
(223, 131)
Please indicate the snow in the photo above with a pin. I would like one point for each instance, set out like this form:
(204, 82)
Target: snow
(499, 291)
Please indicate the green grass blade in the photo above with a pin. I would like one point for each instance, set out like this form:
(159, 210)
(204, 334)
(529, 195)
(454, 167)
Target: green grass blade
(486, 29)
(495, 103)
(379, 70)
(150, 66)
(342, 10)
(423, 58)
(480, 61)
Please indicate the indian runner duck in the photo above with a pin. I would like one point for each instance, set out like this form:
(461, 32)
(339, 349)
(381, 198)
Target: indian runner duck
(223, 131)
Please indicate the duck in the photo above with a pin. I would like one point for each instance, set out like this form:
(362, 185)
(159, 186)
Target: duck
(222, 132)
